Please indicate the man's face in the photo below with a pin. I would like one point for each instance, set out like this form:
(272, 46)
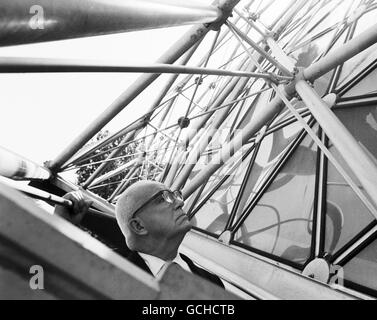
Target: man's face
(163, 219)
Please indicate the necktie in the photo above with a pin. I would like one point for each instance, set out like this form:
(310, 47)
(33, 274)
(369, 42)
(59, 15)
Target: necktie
(178, 260)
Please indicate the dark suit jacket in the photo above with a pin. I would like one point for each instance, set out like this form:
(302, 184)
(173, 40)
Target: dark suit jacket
(135, 258)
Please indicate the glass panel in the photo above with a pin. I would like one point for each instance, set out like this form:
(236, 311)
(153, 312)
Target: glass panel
(227, 169)
(286, 113)
(281, 222)
(354, 66)
(321, 85)
(362, 269)
(346, 215)
(310, 52)
(271, 150)
(365, 86)
(362, 123)
(214, 215)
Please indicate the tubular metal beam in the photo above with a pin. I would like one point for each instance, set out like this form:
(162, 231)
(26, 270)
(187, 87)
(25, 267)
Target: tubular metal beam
(43, 195)
(124, 181)
(19, 168)
(180, 47)
(104, 165)
(30, 21)
(259, 49)
(357, 159)
(347, 51)
(116, 171)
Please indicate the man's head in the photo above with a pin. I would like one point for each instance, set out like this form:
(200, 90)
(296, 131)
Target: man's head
(151, 217)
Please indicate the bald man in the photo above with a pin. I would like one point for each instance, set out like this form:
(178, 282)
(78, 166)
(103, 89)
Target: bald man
(153, 222)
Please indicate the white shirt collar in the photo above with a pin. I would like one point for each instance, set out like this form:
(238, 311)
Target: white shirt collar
(155, 264)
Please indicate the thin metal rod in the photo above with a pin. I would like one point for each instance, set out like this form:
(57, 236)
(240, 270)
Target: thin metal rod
(77, 158)
(309, 18)
(116, 171)
(229, 103)
(113, 154)
(356, 245)
(320, 216)
(178, 49)
(164, 134)
(180, 86)
(124, 181)
(29, 65)
(29, 21)
(248, 52)
(104, 185)
(250, 22)
(191, 101)
(259, 50)
(111, 160)
(322, 19)
(16, 167)
(338, 56)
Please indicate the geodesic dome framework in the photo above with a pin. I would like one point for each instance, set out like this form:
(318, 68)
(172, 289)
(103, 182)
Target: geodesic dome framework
(267, 123)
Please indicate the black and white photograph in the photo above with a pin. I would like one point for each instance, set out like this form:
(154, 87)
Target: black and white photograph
(188, 155)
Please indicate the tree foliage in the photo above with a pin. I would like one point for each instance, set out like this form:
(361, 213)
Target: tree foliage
(106, 188)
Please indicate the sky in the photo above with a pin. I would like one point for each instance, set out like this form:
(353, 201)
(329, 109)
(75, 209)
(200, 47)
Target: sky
(42, 113)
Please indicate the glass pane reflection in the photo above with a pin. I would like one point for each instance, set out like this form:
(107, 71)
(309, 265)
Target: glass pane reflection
(281, 222)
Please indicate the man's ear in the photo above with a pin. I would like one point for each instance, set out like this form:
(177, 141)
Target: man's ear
(137, 226)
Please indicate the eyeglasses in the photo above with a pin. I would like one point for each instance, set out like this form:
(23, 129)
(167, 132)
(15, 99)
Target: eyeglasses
(167, 195)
